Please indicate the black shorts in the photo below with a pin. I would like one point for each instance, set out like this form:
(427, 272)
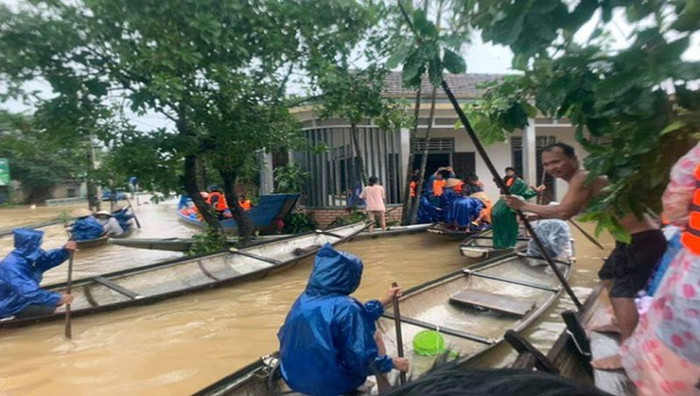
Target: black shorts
(630, 266)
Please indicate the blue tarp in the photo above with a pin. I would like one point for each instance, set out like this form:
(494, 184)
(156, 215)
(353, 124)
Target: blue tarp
(450, 208)
(262, 215)
(86, 228)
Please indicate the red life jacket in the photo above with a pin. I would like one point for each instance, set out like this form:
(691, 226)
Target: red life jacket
(220, 204)
(691, 235)
(246, 205)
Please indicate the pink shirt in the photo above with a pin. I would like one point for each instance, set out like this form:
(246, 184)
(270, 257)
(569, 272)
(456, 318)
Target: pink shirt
(375, 197)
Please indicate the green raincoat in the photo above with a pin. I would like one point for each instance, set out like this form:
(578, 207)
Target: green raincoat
(504, 220)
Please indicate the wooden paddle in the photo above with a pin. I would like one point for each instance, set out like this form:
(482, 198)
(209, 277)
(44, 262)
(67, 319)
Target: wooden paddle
(540, 194)
(399, 336)
(587, 235)
(69, 284)
(138, 223)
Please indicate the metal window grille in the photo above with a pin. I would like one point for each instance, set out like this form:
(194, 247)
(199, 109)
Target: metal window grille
(437, 145)
(334, 173)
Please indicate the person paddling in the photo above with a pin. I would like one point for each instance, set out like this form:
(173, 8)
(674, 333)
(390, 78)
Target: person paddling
(328, 343)
(628, 267)
(21, 272)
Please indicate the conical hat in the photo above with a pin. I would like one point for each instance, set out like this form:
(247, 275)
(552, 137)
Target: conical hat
(80, 212)
(103, 213)
(118, 207)
(453, 181)
(481, 196)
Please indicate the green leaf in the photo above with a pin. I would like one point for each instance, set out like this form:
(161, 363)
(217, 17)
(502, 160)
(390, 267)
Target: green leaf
(674, 126)
(453, 62)
(618, 231)
(435, 71)
(399, 56)
(425, 27)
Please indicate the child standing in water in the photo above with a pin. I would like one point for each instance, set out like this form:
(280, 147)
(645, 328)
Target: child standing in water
(374, 195)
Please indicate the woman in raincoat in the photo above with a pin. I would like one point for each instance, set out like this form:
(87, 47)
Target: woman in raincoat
(327, 342)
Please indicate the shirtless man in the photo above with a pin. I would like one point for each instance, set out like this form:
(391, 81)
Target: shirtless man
(628, 267)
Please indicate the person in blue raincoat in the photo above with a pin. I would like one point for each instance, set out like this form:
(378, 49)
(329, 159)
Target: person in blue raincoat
(85, 227)
(21, 272)
(327, 342)
(121, 213)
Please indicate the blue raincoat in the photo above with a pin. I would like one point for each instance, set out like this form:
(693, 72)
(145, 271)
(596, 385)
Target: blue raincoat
(327, 344)
(124, 218)
(86, 228)
(21, 272)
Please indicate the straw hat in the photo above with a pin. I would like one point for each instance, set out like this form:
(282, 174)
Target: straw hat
(118, 206)
(481, 196)
(80, 212)
(103, 213)
(453, 181)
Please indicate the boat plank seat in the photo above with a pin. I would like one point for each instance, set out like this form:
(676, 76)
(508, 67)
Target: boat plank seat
(119, 289)
(496, 302)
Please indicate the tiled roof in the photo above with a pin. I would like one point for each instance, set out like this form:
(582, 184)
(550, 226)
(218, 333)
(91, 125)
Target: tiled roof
(464, 86)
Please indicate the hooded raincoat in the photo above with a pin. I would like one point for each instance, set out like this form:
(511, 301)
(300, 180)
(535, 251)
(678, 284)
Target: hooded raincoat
(86, 228)
(327, 344)
(21, 272)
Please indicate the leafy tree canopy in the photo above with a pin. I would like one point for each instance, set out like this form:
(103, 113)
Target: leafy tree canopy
(635, 109)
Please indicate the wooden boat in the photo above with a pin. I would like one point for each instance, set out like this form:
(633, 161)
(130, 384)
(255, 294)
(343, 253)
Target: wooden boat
(442, 229)
(103, 240)
(565, 358)
(184, 244)
(481, 247)
(470, 308)
(160, 281)
(263, 215)
(8, 231)
(392, 231)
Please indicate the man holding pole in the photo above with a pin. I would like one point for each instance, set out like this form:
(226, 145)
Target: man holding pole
(628, 267)
(20, 276)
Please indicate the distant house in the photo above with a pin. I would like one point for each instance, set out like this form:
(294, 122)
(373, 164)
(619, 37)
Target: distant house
(385, 153)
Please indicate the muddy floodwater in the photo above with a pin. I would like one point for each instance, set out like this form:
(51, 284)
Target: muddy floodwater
(181, 345)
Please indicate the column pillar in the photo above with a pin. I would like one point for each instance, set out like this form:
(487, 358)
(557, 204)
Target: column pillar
(405, 150)
(530, 153)
(267, 185)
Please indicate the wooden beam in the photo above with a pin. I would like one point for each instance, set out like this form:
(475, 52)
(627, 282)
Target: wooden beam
(515, 282)
(119, 289)
(445, 330)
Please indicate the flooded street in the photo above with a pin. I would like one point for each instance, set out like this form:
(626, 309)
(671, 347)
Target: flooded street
(183, 344)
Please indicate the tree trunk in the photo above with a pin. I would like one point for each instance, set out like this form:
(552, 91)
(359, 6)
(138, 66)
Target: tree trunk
(245, 225)
(192, 190)
(93, 200)
(424, 160)
(407, 200)
(191, 187)
(202, 179)
(358, 152)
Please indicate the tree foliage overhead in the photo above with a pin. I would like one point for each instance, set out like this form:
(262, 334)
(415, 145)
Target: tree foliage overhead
(217, 70)
(635, 108)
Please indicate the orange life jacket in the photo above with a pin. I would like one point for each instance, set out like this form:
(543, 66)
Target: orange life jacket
(219, 205)
(437, 187)
(246, 205)
(691, 236)
(412, 186)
